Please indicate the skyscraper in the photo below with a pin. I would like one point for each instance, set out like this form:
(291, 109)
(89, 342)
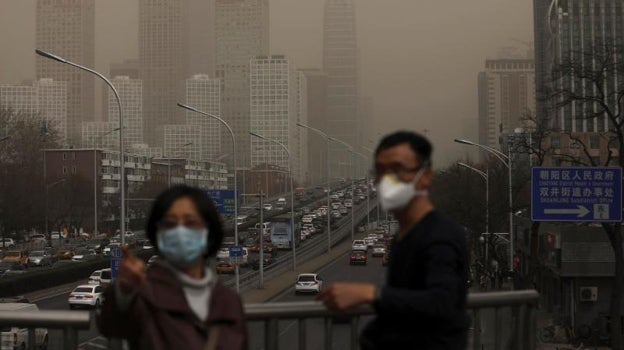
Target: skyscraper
(340, 63)
(316, 81)
(131, 94)
(278, 103)
(204, 93)
(171, 48)
(67, 28)
(572, 30)
(242, 32)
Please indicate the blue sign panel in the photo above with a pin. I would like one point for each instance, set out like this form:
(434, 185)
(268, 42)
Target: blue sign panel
(589, 194)
(115, 261)
(223, 199)
(236, 251)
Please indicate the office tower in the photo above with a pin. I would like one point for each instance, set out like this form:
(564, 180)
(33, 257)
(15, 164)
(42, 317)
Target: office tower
(67, 28)
(170, 50)
(131, 94)
(46, 98)
(317, 103)
(100, 135)
(278, 103)
(507, 96)
(181, 142)
(340, 63)
(204, 93)
(242, 32)
(570, 29)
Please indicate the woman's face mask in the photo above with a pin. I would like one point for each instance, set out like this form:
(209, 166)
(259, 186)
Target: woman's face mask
(182, 246)
(395, 194)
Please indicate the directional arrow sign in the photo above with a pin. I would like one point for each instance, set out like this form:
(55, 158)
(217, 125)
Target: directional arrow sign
(580, 211)
(587, 194)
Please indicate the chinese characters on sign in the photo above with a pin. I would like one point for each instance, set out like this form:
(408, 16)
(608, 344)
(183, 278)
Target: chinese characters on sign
(576, 194)
(223, 199)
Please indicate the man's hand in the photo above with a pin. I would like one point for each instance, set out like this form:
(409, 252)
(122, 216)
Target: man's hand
(131, 271)
(343, 296)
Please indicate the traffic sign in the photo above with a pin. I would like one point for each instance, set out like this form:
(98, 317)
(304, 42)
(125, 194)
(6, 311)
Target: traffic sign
(115, 260)
(588, 194)
(235, 251)
(223, 199)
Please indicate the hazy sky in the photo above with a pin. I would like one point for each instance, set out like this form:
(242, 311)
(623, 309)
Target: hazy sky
(420, 58)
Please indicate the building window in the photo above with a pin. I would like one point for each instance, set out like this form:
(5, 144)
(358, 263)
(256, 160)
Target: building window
(74, 170)
(64, 170)
(594, 142)
(64, 155)
(74, 155)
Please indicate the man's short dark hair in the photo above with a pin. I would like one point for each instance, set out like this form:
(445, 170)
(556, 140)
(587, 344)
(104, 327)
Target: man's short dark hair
(205, 207)
(418, 143)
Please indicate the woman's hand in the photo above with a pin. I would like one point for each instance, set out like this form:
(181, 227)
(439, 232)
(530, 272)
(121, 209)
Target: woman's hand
(131, 272)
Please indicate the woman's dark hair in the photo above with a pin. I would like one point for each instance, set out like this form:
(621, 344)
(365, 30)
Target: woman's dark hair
(418, 143)
(204, 205)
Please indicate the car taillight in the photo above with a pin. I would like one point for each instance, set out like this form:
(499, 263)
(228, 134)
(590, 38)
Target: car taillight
(71, 295)
(88, 296)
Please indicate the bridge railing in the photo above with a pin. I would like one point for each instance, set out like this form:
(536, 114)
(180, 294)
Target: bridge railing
(522, 328)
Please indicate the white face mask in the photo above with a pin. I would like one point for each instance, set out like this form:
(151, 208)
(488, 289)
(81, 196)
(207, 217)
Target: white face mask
(395, 194)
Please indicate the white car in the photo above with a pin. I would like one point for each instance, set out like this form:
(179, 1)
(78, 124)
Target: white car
(84, 254)
(348, 203)
(85, 295)
(95, 277)
(379, 250)
(370, 242)
(268, 207)
(308, 283)
(359, 244)
(16, 337)
(223, 253)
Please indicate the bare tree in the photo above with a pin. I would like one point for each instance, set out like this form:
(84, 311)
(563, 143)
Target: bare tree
(592, 81)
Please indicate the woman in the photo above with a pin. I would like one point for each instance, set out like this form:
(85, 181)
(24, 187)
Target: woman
(178, 303)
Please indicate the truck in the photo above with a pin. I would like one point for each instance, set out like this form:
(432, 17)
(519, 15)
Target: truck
(282, 232)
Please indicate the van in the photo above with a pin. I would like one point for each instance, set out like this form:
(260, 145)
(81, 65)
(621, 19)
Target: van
(17, 338)
(265, 228)
(106, 278)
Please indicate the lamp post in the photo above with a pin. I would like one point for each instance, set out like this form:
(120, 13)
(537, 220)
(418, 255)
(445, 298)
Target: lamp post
(350, 149)
(192, 109)
(122, 221)
(365, 158)
(326, 137)
(506, 160)
(95, 196)
(486, 177)
(292, 196)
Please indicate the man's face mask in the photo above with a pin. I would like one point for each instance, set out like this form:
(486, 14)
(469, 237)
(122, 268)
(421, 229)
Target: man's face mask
(395, 194)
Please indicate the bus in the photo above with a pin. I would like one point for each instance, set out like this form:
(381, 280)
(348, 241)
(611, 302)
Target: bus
(282, 233)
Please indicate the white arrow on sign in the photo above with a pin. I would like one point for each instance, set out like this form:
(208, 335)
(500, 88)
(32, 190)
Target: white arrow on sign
(580, 211)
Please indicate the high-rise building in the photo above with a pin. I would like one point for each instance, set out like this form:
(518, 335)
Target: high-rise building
(571, 29)
(204, 93)
(317, 118)
(507, 95)
(131, 95)
(100, 135)
(278, 103)
(181, 141)
(242, 32)
(171, 48)
(67, 28)
(45, 97)
(340, 63)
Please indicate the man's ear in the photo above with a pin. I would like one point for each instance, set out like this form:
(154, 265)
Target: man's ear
(425, 180)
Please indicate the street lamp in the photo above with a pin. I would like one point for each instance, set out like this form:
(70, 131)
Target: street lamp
(486, 177)
(95, 201)
(506, 160)
(350, 149)
(292, 197)
(326, 137)
(169, 164)
(365, 158)
(122, 221)
(192, 109)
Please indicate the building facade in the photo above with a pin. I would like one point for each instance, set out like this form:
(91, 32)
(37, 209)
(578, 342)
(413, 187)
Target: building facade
(242, 32)
(67, 28)
(131, 95)
(198, 173)
(506, 98)
(317, 118)
(182, 141)
(204, 93)
(45, 97)
(278, 103)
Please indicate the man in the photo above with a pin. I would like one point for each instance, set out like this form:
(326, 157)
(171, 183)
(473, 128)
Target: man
(422, 305)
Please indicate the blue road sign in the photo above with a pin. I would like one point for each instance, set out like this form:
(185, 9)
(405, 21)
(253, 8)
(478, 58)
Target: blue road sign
(589, 194)
(115, 260)
(236, 251)
(223, 199)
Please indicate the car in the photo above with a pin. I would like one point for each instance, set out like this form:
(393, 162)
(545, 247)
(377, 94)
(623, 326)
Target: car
(268, 207)
(19, 256)
(85, 295)
(358, 257)
(151, 260)
(84, 254)
(333, 197)
(107, 249)
(335, 214)
(379, 250)
(7, 243)
(98, 244)
(37, 239)
(348, 203)
(223, 253)
(39, 258)
(64, 254)
(9, 268)
(106, 277)
(95, 277)
(308, 283)
(304, 234)
(224, 266)
(17, 337)
(359, 244)
(306, 219)
(343, 211)
(370, 242)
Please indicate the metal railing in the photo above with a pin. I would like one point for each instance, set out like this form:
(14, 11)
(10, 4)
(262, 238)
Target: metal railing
(522, 327)
(70, 322)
